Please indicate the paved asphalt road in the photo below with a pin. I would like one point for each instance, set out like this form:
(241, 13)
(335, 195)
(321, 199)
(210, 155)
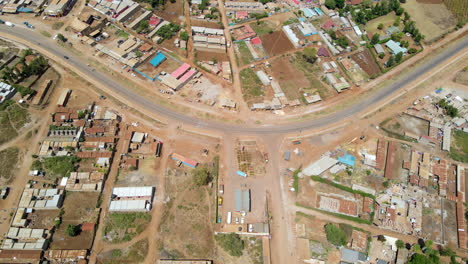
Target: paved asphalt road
(35, 38)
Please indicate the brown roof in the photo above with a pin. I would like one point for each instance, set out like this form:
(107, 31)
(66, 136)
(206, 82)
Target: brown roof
(359, 240)
(353, 2)
(29, 58)
(79, 123)
(145, 47)
(391, 156)
(87, 227)
(94, 154)
(348, 207)
(368, 204)
(21, 254)
(381, 154)
(100, 139)
(94, 130)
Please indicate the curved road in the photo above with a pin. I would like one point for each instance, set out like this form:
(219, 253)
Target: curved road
(30, 36)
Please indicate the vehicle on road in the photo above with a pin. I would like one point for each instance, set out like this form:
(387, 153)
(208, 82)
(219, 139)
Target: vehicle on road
(220, 201)
(4, 192)
(28, 25)
(66, 57)
(221, 189)
(8, 23)
(2, 22)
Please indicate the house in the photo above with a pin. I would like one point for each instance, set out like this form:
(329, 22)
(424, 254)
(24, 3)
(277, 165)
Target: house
(395, 47)
(379, 49)
(323, 52)
(329, 24)
(392, 30)
(184, 160)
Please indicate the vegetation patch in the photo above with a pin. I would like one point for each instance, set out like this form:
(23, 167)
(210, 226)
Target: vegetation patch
(12, 118)
(244, 56)
(56, 167)
(8, 158)
(336, 235)
(254, 247)
(342, 216)
(57, 25)
(251, 84)
(262, 28)
(121, 227)
(459, 148)
(342, 187)
(136, 253)
(231, 243)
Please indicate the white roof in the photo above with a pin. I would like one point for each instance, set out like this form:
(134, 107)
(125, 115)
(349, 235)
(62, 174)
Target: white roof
(127, 205)
(319, 166)
(133, 191)
(138, 137)
(63, 182)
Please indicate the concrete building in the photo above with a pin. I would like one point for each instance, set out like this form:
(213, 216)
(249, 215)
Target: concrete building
(6, 91)
(318, 167)
(59, 7)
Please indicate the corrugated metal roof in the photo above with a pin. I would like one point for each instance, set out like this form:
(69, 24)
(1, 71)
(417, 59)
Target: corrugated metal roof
(133, 191)
(127, 205)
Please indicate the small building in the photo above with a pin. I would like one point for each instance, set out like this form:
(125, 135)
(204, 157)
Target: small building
(184, 160)
(379, 49)
(63, 99)
(307, 29)
(319, 166)
(392, 30)
(263, 77)
(242, 200)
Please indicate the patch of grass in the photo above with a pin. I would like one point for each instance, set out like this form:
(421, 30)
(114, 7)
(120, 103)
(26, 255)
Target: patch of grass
(262, 28)
(308, 69)
(18, 116)
(136, 253)
(56, 167)
(57, 25)
(231, 243)
(122, 34)
(45, 34)
(8, 159)
(459, 8)
(121, 227)
(335, 235)
(254, 247)
(296, 181)
(251, 84)
(244, 54)
(342, 187)
(12, 118)
(459, 148)
(290, 21)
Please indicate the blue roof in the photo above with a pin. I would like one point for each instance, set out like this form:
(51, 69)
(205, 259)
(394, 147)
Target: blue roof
(308, 12)
(240, 173)
(25, 10)
(395, 47)
(157, 59)
(347, 160)
(318, 11)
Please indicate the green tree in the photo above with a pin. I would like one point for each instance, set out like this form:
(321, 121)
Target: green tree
(142, 26)
(375, 39)
(330, 4)
(335, 235)
(391, 61)
(72, 230)
(231, 243)
(184, 35)
(201, 176)
(396, 23)
(380, 26)
(310, 55)
(400, 244)
(340, 3)
(398, 57)
(412, 50)
(61, 37)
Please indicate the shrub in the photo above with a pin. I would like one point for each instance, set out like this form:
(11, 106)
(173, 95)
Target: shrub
(335, 235)
(72, 230)
(231, 243)
(201, 176)
(400, 244)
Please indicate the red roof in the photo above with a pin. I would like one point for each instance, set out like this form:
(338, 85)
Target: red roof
(256, 41)
(323, 52)
(181, 158)
(242, 14)
(329, 24)
(154, 21)
(87, 227)
(353, 2)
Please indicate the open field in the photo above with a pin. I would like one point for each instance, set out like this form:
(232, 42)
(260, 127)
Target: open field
(386, 20)
(121, 227)
(459, 148)
(188, 212)
(12, 118)
(79, 208)
(462, 77)
(251, 85)
(9, 159)
(433, 20)
(276, 43)
(407, 124)
(291, 80)
(136, 253)
(459, 8)
(310, 71)
(210, 56)
(262, 28)
(144, 176)
(243, 54)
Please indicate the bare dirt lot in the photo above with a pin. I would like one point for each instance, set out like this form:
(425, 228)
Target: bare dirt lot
(407, 124)
(136, 253)
(203, 23)
(79, 207)
(144, 176)
(209, 56)
(290, 79)
(366, 62)
(276, 43)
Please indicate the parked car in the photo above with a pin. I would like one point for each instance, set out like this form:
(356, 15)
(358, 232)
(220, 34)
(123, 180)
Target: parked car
(220, 201)
(221, 189)
(2, 22)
